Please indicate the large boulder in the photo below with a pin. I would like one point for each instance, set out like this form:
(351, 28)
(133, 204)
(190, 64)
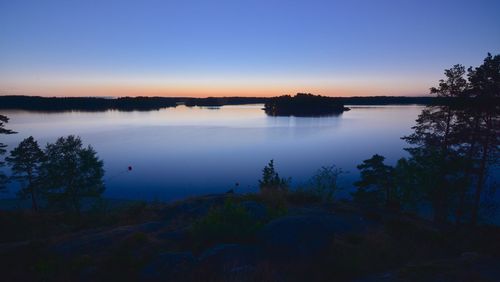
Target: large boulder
(88, 243)
(194, 207)
(304, 236)
(100, 240)
(172, 266)
(228, 262)
(258, 211)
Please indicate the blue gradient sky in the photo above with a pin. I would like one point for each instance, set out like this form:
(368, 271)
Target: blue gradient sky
(252, 48)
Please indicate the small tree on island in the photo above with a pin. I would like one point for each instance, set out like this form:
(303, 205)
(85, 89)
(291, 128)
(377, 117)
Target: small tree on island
(72, 173)
(25, 161)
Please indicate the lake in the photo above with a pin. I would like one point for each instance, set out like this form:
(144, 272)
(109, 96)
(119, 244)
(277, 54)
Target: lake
(182, 151)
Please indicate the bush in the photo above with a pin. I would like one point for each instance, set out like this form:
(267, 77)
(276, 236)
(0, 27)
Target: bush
(322, 187)
(273, 188)
(303, 196)
(271, 183)
(324, 184)
(228, 223)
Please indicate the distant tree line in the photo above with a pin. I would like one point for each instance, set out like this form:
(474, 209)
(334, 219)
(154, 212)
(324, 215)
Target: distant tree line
(36, 103)
(221, 101)
(392, 100)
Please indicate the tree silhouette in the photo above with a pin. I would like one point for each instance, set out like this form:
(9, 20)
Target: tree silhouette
(435, 138)
(303, 104)
(376, 184)
(271, 182)
(25, 161)
(3, 130)
(454, 143)
(407, 187)
(72, 172)
(324, 183)
(482, 120)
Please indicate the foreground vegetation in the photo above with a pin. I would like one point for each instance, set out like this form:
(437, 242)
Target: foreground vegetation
(244, 238)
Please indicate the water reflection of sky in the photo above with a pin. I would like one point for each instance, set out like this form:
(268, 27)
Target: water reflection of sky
(185, 151)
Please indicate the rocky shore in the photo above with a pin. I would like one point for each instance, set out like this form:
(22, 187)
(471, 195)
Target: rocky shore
(244, 238)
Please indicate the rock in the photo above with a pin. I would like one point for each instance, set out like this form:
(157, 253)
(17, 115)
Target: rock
(469, 256)
(235, 254)
(169, 267)
(149, 227)
(229, 262)
(177, 235)
(258, 211)
(193, 208)
(99, 240)
(94, 242)
(306, 235)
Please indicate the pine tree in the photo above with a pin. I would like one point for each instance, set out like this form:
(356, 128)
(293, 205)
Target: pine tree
(376, 184)
(436, 140)
(25, 161)
(3, 130)
(72, 172)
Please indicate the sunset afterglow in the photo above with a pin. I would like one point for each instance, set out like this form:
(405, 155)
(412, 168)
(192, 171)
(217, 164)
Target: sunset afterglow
(238, 48)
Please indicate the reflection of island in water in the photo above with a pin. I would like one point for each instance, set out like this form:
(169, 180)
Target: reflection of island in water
(304, 105)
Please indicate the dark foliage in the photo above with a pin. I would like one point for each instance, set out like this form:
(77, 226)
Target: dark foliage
(271, 182)
(35, 103)
(304, 105)
(228, 223)
(221, 101)
(376, 184)
(71, 173)
(25, 161)
(455, 144)
(3, 130)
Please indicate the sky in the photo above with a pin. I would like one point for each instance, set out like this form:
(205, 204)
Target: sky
(239, 47)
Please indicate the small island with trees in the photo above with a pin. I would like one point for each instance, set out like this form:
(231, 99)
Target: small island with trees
(304, 104)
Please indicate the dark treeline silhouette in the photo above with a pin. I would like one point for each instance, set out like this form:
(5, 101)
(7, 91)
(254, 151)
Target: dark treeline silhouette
(303, 104)
(391, 100)
(35, 103)
(221, 101)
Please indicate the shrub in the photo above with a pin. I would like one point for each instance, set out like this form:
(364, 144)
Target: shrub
(303, 196)
(321, 187)
(271, 183)
(324, 184)
(273, 188)
(228, 223)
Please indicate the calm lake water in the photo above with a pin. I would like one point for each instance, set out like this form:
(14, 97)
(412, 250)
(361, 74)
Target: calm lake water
(183, 151)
